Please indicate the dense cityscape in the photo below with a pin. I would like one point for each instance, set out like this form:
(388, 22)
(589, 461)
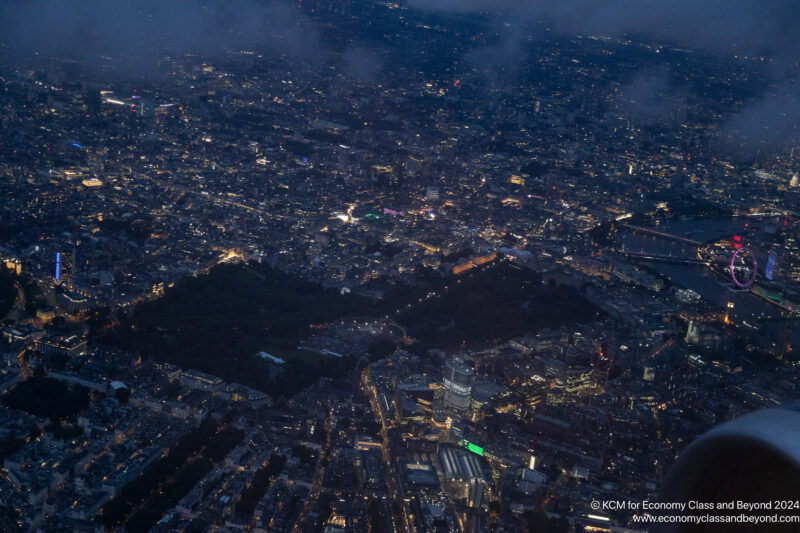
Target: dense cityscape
(374, 267)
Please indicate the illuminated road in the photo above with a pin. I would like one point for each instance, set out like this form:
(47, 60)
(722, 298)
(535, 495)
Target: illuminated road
(319, 475)
(215, 199)
(553, 488)
(660, 349)
(24, 366)
(391, 479)
(443, 290)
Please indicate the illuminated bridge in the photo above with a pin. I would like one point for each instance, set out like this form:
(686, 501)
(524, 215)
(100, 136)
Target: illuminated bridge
(662, 234)
(661, 257)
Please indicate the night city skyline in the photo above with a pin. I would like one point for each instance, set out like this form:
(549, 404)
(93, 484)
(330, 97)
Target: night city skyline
(447, 266)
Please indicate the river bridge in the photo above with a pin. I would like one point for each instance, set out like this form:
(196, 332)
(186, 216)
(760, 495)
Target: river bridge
(648, 256)
(663, 234)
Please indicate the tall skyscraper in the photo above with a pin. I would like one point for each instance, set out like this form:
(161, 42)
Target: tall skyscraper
(458, 380)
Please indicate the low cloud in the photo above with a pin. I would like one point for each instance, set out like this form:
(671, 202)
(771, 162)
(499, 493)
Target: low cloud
(721, 28)
(717, 26)
(770, 122)
(139, 32)
(361, 64)
(652, 97)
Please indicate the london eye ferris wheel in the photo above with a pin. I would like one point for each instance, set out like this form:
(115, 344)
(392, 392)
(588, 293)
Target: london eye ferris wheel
(743, 267)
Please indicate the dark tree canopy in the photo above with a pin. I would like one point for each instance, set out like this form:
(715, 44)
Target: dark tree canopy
(48, 398)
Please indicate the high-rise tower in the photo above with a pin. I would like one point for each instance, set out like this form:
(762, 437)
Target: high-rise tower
(458, 380)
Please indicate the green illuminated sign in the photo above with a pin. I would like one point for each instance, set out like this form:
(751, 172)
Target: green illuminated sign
(474, 448)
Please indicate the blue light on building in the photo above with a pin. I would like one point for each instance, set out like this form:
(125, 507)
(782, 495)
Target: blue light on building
(770, 269)
(58, 266)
